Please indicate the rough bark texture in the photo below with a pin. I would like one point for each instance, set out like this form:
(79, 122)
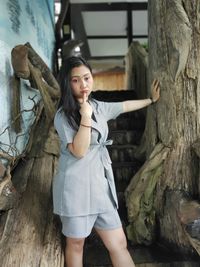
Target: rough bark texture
(173, 123)
(137, 80)
(136, 69)
(30, 234)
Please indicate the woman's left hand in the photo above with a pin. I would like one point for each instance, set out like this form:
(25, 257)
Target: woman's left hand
(155, 90)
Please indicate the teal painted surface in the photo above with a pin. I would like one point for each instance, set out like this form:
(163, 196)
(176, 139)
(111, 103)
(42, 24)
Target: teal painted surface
(22, 21)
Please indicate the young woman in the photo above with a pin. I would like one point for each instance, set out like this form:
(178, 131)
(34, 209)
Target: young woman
(84, 192)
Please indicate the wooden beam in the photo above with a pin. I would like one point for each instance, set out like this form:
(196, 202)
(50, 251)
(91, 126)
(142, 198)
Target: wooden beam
(129, 25)
(114, 36)
(106, 36)
(79, 29)
(60, 21)
(111, 6)
(108, 57)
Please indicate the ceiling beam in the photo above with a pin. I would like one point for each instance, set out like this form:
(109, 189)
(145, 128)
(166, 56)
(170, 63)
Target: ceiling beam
(60, 21)
(129, 25)
(114, 36)
(111, 6)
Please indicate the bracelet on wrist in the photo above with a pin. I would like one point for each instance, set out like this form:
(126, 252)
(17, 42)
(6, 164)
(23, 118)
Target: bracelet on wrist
(87, 126)
(152, 102)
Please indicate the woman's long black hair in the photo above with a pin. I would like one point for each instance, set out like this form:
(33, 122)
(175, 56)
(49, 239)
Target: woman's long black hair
(68, 103)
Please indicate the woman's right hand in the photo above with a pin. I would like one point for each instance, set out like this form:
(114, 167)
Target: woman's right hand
(86, 108)
(81, 141)
(155, 90)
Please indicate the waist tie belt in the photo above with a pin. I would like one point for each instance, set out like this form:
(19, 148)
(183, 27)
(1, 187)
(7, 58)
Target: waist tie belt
(104, 155)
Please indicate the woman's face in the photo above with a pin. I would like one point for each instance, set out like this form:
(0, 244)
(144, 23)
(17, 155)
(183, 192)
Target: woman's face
(81, 82)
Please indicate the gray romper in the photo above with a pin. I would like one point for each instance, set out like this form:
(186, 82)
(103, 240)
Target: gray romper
(86, 186)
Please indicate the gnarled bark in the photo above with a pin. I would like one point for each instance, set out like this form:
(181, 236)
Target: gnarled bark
(140, 197)
(174, 59)
(29, 233)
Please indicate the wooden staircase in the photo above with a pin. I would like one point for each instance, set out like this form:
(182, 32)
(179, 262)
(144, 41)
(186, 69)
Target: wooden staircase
(126, 132)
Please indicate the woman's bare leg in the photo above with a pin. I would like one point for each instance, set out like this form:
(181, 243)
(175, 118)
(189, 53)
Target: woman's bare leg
(115, 242)
(74, 252)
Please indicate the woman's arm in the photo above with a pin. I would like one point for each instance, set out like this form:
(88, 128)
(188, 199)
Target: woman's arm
(82, 139)
(132, 105)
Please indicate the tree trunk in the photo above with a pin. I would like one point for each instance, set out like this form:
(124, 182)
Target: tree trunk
(30, 233)
(162, 198)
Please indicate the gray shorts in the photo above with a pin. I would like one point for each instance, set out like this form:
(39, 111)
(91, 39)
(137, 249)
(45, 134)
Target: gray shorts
(81, 226)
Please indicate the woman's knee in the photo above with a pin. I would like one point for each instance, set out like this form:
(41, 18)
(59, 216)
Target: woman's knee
(120, 244)
(76, 244)
(117, 244)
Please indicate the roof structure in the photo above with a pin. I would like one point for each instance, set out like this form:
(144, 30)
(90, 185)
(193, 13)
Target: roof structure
(105, 28)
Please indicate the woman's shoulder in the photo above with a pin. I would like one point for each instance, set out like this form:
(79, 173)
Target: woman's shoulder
(98, 103)
(59, 113)
(60, 116)
(101, 105)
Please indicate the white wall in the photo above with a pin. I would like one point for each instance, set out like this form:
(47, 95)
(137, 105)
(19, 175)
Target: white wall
(21, 22)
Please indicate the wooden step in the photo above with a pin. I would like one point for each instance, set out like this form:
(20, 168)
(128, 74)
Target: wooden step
(123, 153)
(126, 124)
(125, 164)
(128, 121)
(114, 96)
(122, 210)
(123, 173)
(124, 137)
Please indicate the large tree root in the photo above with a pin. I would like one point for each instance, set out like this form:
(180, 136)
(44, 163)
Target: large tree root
(140, 198)
(182, 215)
(30, 234)
(163, 214)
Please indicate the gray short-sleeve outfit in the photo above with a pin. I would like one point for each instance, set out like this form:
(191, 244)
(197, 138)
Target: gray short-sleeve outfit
(86, 186)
